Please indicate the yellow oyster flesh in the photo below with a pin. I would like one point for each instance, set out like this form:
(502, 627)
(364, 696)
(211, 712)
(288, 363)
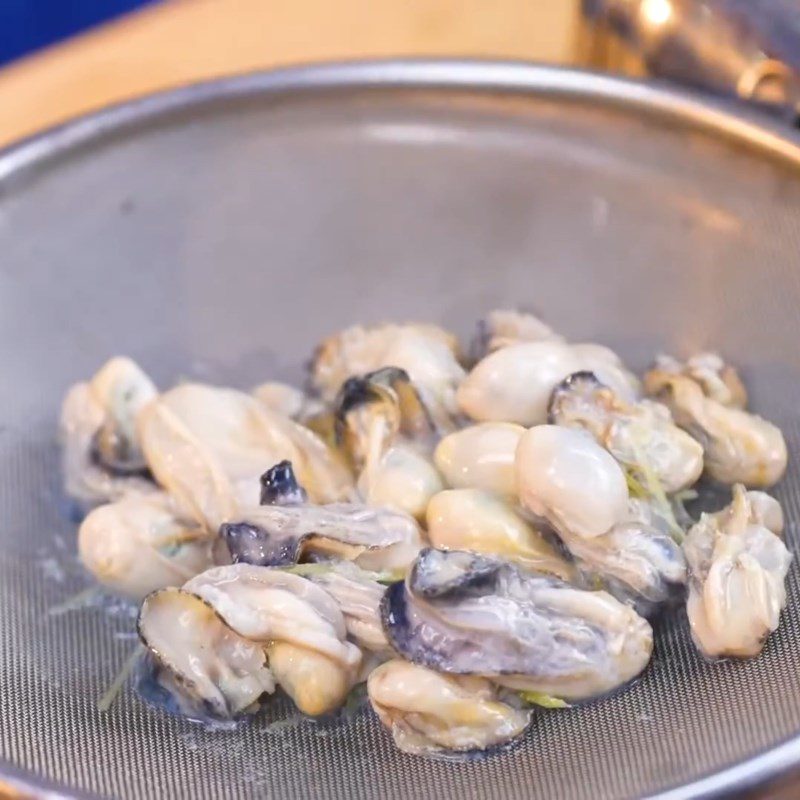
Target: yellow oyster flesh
(639, 434)
(209, 446)
(138, 544)
(564, 476)
(471, 519)
(429, 712)
(480, 457)
(740, 447)
(300, 624)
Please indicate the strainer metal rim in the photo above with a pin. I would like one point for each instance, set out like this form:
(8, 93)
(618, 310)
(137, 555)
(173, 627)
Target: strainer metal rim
(730, 120)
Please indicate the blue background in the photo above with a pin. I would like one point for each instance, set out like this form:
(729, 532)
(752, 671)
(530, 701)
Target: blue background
(26, 25)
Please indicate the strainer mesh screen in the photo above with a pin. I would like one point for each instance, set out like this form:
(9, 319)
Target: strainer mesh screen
(223, 244)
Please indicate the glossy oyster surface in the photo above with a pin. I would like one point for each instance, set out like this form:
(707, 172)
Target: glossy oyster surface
(468, 614)
(638, 560)
(514, 383)
(186, 468)
(480, 456)
(301, 626)
(359, 597)
(139, 544)
(215, 671)
(481, 522)
(378, 539)
(426, 352)
(388, 434)
(241, 437)
(102, 457)
(740, 447)
(272, 617)
(640, 435)
(287, 400)
(431, 714)
(564, 476)
(503, 327)
(737, 579)
(551, 491)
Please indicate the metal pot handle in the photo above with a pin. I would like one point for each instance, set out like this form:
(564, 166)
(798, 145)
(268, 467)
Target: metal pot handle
(746, 48)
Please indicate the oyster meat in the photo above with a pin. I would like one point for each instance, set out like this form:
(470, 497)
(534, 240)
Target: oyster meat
(209, 446)
(514, 383)
(358, 596)
(737, 578)
(718, 379)
(638, 560)
(138, 544)
(232, 632)
(480, 457)
(377, 539)
(463, 542)
(427, 353)
(739, 447)
(468, 614)
(568, 479)
(287, 400)
(564, 476)
(101, 452)
(300, 625)
(388, 435)
(216, 672)
(433, 714)
(503, 327)
(471, 519)
(640, 435)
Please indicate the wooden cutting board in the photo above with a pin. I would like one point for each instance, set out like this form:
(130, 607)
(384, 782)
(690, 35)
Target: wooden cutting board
(183, 41)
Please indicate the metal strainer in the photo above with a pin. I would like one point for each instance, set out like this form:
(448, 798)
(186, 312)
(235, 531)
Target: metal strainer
(219, 231)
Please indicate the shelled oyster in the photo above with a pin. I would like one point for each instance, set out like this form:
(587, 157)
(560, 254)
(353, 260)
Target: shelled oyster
(297, 627)
(287, 400)
(739, 447)
(102, 455)
(737, 579)
(568, 479)
(139, 544)
(514, 383)
(209, 447)
(503, 327)
(433, 714)
(637, 561)
(427, 353)
(564, 476)
(550, 490)
(481, 522)
(388, 434)
(480, 457)
(214, 671)
(377, 539)
(640, 434)
(468, 614)
(719, 380)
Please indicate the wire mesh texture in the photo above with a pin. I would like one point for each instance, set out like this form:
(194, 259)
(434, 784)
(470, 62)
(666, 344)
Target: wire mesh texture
(220, 240)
